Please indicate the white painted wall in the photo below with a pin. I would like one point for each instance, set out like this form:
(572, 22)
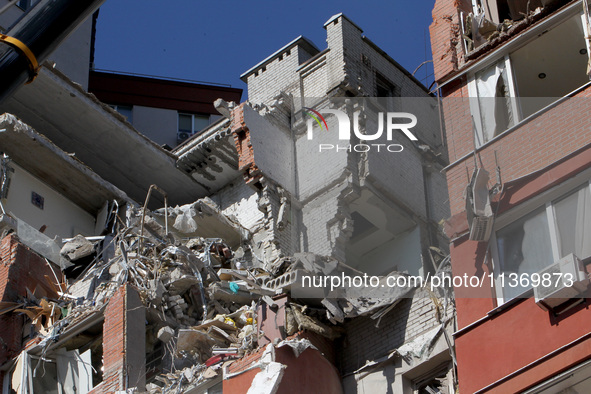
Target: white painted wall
(273, 149)
(60, 215)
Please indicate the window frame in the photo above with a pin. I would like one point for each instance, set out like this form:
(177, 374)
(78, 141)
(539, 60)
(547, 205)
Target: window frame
(28, 5)
(505, 53)
(474, 98)
(193, 131)
(119, 107)
(545, 199)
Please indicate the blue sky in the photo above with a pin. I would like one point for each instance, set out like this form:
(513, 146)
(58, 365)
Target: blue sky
(216, 41)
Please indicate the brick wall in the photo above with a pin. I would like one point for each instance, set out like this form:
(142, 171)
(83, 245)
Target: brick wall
(446, 41)
(353, 59)
(532, 146)
(364, 342)
(113, 344)
(276, 76)
(20, 268)
(123, 342)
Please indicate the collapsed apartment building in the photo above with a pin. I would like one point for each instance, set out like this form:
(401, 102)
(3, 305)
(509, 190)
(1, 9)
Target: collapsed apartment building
(514, 77)
(139, 269)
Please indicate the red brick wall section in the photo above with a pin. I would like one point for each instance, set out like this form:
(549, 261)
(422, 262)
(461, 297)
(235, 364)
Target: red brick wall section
(20, 268)
(121, 363)
(445, 33)
(241, 134)
(10, 324)
(113, 344)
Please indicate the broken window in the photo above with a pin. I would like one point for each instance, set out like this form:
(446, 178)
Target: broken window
(529, 78)
(385, 88)
(500, 10)
(495, 109)
(543, 236)
(62, 372)
(437, 381)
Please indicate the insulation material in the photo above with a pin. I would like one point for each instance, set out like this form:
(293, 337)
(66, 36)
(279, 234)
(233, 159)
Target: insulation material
(418, 346)
(297, 345)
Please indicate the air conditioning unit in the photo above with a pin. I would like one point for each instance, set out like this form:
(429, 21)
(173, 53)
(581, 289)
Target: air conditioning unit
(181, 136)
(478, 208)
(568, 279)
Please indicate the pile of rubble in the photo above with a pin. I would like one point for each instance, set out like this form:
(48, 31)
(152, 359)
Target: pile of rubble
(201, 297)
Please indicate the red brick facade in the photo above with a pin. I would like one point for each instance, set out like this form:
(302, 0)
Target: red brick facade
(20, 268)
(518, 346)
(246, 162)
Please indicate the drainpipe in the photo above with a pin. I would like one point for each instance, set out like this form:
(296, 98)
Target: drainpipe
(29, 42)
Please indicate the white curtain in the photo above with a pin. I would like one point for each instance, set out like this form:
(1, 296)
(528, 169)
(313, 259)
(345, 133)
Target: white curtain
(587, 30)
(524, 247)
(493, 100)
(573, 219)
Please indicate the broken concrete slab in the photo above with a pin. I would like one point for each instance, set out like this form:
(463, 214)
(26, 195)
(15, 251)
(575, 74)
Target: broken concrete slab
(77, 248)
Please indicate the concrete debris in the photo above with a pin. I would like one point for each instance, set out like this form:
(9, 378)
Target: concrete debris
(165, 334)
(481, 34)
(267, 381)
(205, 300)
(418, 346)
(77, 248)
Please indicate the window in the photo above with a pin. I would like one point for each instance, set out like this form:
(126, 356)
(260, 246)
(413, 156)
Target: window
(499, 10)
(385, 88)
(190, 124)
(125, 110)
(438, 380)
(60, 372)
(520, 83)
(572, 381)
(24, 4)
(495, 109)
(542, 236)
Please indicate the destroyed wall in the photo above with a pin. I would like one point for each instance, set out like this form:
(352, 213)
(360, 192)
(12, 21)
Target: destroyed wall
(350, 60)
(38, 204)
(124, 343)
(356, 62)
(323, 187)
(408, 342)
(411, 318)
(21, 270)
(258, 211)
(446, 36)
(308, 372)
